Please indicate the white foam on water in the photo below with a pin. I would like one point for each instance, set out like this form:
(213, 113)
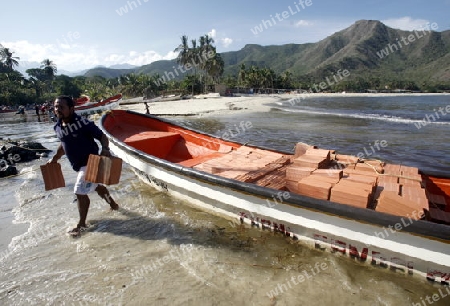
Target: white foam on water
(386, 118)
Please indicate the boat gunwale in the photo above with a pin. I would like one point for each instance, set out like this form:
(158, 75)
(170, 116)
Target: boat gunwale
(426, 229)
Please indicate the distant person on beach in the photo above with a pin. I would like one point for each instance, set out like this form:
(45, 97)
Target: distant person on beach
(36, 108)
(147, 110)
(21, 110)
(77, 136)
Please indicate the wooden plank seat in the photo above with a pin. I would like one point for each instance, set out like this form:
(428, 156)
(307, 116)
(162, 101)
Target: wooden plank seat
(156, 143)
(200, 159)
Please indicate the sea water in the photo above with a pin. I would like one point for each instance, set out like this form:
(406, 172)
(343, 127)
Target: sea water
(158, 250)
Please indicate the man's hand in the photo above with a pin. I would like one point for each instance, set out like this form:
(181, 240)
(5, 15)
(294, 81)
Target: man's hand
(59, 153)
(105, 152)
(54, 159)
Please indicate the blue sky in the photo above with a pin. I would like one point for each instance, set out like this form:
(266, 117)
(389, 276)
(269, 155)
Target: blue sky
(82, 34)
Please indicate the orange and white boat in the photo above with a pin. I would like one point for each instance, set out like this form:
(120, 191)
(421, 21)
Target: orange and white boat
(91, 108)
(386, 215)
(81, 100)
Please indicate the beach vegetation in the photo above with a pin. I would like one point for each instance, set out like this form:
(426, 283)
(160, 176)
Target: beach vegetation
(380, 59)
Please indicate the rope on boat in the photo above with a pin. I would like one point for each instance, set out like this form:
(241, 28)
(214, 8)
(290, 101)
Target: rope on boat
(395, 175)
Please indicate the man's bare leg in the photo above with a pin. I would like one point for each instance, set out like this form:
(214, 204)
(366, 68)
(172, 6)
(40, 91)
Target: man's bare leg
(83, 208)
(104, 194)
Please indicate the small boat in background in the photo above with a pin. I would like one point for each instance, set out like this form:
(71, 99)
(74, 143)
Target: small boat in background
(91, 108)
(390, 216)
(5, 111)
(81, 100)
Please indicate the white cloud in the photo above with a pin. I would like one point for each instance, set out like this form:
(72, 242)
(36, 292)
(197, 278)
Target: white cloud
(74, 57)
(303, 23)
(226, 42)
(406, 23)
(212, 33)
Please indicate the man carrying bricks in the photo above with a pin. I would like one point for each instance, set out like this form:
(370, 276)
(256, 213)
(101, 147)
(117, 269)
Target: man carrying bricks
(77, 136)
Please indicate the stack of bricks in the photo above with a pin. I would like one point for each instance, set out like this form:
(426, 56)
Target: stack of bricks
(273, 175)
(400, 192)
(346, 159)
(239, 162)
(313, 158)
(352, 193)
(306, 160)
(314, 187)
(294, 175)
(319, 184)
(322, 174)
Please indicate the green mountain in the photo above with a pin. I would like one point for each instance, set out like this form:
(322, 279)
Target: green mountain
(367, 48)
(107, 73)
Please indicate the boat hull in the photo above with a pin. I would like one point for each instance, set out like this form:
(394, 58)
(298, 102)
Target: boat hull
(98, 107)
(403, 245)
(92, 110)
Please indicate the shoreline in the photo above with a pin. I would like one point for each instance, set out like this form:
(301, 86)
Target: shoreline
(205, 105)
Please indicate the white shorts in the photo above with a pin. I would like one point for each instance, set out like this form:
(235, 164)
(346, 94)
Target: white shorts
(81, 186)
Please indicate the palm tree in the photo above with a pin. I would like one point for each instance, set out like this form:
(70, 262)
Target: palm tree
(49, 71)
(7, 59)
(214, 67)
(34, 83)
(183, 49)
(286, 79)
(49, 68)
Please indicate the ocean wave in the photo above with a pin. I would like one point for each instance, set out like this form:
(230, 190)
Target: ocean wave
(387, 118)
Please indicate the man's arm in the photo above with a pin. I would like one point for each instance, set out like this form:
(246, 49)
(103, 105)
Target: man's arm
(59, 153)
(105, 146)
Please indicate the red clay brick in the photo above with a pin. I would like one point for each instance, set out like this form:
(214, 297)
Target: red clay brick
(314, 188)
(334, 173)
(355, 197)
(294, 173)
(392, 169)
(325, 154)
(413, 180)
(368, 168)
(371, 180)
(52, 175)
(349, 159)
(387, 179)
(405, 170)
(391, 203)
(309, 161)
(292, 186)
(390, 187)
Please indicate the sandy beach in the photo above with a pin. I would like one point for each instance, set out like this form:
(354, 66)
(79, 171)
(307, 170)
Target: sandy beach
(202, 106)
(211, 105)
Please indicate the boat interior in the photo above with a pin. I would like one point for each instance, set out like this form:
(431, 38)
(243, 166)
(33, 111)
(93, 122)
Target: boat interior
(309, 171)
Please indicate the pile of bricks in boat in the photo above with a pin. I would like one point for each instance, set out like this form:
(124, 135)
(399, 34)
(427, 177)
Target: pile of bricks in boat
(239, 162)
(273, 175)
(299, 175)
(358, 184)
(400, 192)
(307, 176)
(354, 190)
